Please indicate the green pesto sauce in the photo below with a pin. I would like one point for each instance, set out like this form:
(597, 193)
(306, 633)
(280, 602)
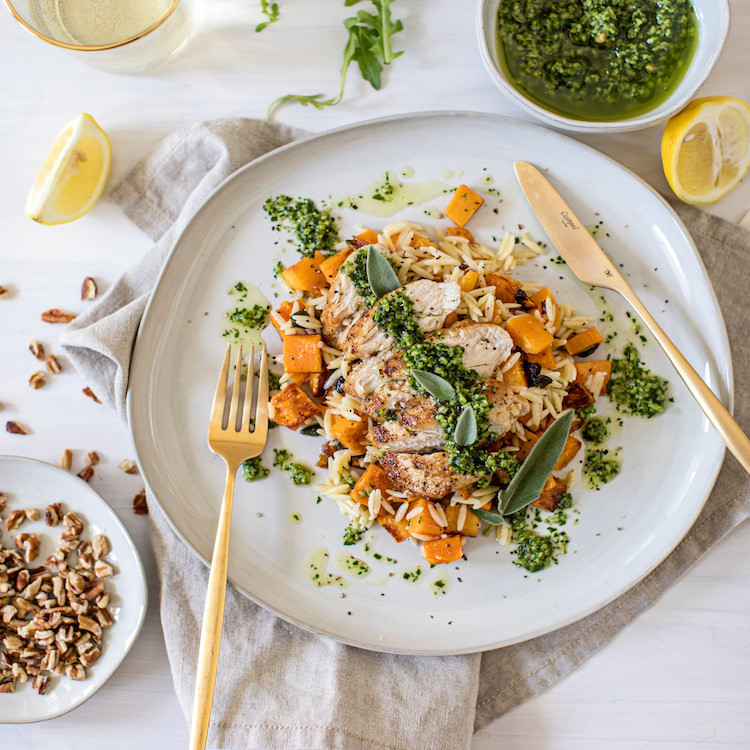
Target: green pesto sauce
(298, 473)
(250, 317)
(634, 389)
(295, 517)
(351, 536)
(596, 59)
(314, 228)
(601, 466)
(596, 430)
(538, 535)
(253, 469)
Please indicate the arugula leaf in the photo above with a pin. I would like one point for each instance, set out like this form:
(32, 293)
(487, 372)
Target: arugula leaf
(436, 386)
(529, 480)
(270, 11)
(380, 274)
(466, 427)
(368, 44)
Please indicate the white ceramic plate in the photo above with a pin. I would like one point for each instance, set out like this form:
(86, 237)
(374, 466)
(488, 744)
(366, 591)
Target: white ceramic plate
(28, 483)
(623, 531)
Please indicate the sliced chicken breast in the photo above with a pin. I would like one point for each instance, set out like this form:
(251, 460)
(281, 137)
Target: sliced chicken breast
(399, 438)
(486, 345)
(424, 475)
(433, 301)
(343, 307)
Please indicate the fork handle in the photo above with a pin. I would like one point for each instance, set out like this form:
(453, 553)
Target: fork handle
(213, 616)
(729, 431)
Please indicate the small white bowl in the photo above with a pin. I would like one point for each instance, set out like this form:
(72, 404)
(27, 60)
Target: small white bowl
(713, 26)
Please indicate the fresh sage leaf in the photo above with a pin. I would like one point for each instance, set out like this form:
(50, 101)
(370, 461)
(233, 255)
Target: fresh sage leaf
(439, 387)
(489, 516)
(529, 480)
(466, 427)
(380, 274)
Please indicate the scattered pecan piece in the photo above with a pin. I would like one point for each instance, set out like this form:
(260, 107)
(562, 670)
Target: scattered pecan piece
(15, 428)
(88, 392)
(65, 462)
(88, 289)
(53, 365)
(86, 474)
(32, 514)
(92, 458)
(57, 316)
(37, 380)
(140, 506)
(37, 349)
(4, 292)
(52, 514)
(14, 519)
(128, 466)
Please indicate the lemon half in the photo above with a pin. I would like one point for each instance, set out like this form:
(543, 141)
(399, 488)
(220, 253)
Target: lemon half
(73, 174)
(705, 148)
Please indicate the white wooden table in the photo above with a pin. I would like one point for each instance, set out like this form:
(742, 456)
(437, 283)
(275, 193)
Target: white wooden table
(676, 678)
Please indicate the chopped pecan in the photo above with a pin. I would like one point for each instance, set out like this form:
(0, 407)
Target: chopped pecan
(92, 458)
(15, 428)
(4, 292)
(140, 505)
(64, 462)
(103, 569)
(88, 289)
(57, 316)
(87, 473)
(88, 392)
(37, 349)
(53, 512)
(128, 466)
(53, 365)
(100, 546)
(37, 380)
(14, 519)
(32, 514)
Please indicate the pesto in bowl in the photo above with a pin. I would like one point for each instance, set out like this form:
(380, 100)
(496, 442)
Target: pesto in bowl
(596, 59)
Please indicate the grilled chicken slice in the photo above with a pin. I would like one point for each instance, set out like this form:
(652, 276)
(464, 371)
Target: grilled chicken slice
(399, 438)
(486, 345)
(506, 407)
(367, 376)
(343, 307)
(390, 397)
(415, 427)
(424, 475)
(433, 301)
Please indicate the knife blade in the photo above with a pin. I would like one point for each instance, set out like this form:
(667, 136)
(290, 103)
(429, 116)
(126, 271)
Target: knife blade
(571, 239)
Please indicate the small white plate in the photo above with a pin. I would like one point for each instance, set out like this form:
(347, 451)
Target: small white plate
(28, 483)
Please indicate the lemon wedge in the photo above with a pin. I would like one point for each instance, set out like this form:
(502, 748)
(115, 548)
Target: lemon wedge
(73, 174)
(705, 148)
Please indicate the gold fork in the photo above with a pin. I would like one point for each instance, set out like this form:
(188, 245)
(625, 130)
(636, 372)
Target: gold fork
(235, 445)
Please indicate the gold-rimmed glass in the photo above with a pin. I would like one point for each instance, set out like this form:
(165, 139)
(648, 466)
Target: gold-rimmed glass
(122, 36)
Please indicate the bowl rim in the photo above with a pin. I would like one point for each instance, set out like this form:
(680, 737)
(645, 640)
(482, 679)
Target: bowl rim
(485, 36)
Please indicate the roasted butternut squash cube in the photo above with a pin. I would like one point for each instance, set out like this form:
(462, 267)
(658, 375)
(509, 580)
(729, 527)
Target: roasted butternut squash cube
(350, 433)
(463, 205)
(528, 333)
(444, 550)
(373, 478)
(305, 275)
(471, 521)
(570, 449)
(551, 494)
(302, 353)
(399, 530)
(423, 524)
(506, 287)
(292, 407)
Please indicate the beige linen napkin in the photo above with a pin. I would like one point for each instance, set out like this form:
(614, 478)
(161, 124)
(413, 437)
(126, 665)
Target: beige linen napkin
(279, 686)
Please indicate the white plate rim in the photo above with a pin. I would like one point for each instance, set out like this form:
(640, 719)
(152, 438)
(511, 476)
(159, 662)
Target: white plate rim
(723, 359)
(137, 571)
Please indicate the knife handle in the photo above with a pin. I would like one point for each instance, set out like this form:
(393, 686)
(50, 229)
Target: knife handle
(729, 431)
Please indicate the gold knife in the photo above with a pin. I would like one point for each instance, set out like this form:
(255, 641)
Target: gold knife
(590, 264)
